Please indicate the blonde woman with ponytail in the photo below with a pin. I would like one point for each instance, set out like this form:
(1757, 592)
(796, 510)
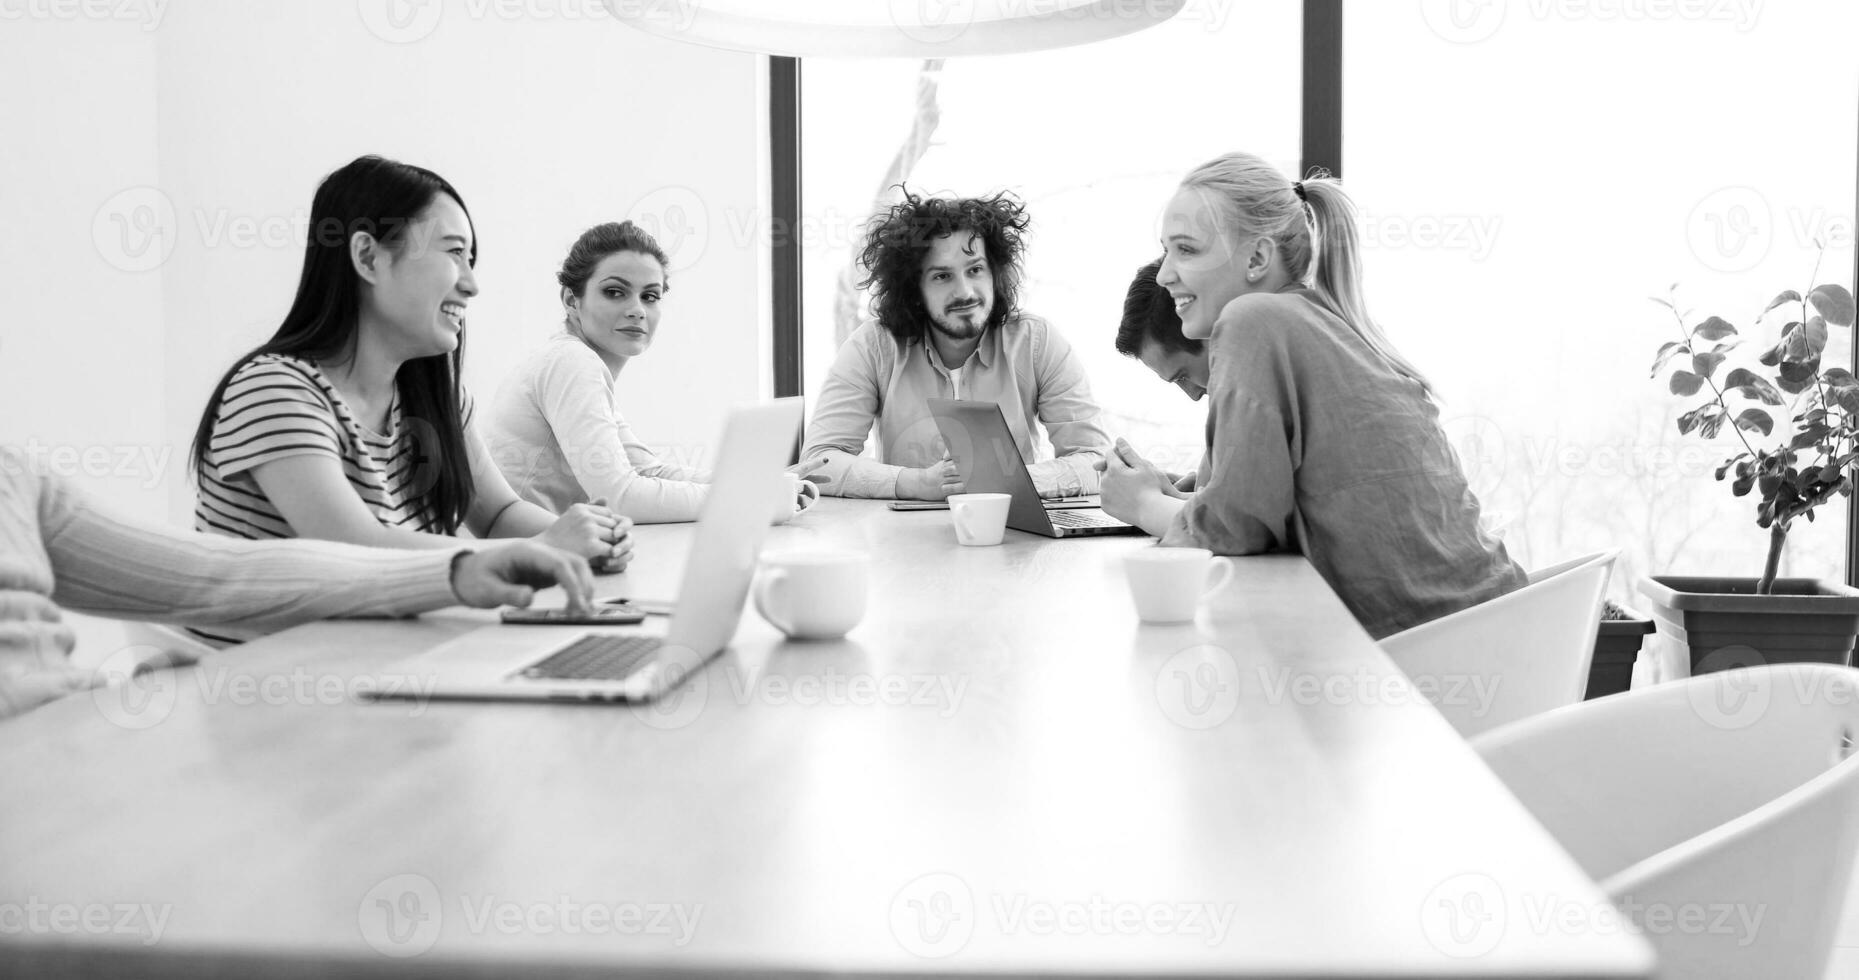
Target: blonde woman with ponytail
(1322, 437)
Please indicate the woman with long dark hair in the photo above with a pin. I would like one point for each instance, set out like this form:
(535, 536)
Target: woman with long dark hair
(1324, 439)
(350, 424)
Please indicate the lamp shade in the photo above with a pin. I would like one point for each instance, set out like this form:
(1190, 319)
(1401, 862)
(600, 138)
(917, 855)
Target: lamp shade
(891, 28)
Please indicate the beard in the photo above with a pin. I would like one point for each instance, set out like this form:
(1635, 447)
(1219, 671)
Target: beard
(963, 324)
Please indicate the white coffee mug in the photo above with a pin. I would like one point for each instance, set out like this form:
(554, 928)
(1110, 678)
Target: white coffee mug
(812, 595)
(1168, 584)
(979, 518)
(792, 496)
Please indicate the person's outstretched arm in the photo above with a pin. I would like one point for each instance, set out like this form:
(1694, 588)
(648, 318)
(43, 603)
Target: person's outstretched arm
(849, 403)
(606, 458)
(110, 566)
(1071, 418)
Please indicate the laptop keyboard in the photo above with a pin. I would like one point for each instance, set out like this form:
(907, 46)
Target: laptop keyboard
(594, 658)
(1066, 518)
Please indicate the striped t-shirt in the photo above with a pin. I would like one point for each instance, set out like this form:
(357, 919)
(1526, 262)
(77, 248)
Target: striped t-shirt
(277, 406)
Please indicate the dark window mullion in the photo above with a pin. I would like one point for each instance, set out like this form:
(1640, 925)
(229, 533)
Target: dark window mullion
(1321, 140)
(784, 186)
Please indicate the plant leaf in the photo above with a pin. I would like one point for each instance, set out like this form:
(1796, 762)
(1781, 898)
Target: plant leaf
(1667, 351)
(1786, 296)
(1714, 328)
(1772, 356)
(1755, 420)
(1816, 334)
(1749, 384)
(1705, 365)
(1707, 419)
(1798, 376)
(1834, 303)
(1808, 437)
(1685, 383)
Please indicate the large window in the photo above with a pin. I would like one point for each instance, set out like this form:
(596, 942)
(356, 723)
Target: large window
(1092, 138)
(1531, 173)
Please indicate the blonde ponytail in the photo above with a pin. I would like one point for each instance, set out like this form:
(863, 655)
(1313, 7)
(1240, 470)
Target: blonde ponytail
(1313, 225)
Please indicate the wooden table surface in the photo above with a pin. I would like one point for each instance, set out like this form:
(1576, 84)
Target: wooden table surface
(999, 772)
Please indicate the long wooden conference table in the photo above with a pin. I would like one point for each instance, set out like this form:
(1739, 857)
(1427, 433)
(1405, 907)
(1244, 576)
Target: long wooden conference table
(999, 772)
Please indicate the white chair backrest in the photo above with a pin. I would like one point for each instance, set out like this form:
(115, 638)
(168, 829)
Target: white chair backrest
(1720, 812)
(1518, 655)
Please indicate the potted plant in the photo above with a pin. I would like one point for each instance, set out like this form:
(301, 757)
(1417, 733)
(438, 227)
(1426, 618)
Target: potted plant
(1799, 428)
(1616, 649)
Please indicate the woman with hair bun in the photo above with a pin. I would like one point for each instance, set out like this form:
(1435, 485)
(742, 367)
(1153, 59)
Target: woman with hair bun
(555, 429)
(1326, 439)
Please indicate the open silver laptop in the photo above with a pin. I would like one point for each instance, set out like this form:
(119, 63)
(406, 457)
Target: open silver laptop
(639, 663)
(983, 447)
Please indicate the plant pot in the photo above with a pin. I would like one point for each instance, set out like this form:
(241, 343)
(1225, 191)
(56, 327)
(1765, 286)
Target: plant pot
(1616, 648)
(1722, 623)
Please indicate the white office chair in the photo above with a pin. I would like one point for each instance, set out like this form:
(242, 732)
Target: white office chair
(1735, 791)
(1512, 657)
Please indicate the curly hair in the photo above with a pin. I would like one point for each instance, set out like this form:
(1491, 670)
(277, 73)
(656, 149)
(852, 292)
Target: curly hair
(897, 240)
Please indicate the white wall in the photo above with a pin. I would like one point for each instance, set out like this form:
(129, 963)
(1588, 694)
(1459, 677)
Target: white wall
(547, 117)
(77, 131)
